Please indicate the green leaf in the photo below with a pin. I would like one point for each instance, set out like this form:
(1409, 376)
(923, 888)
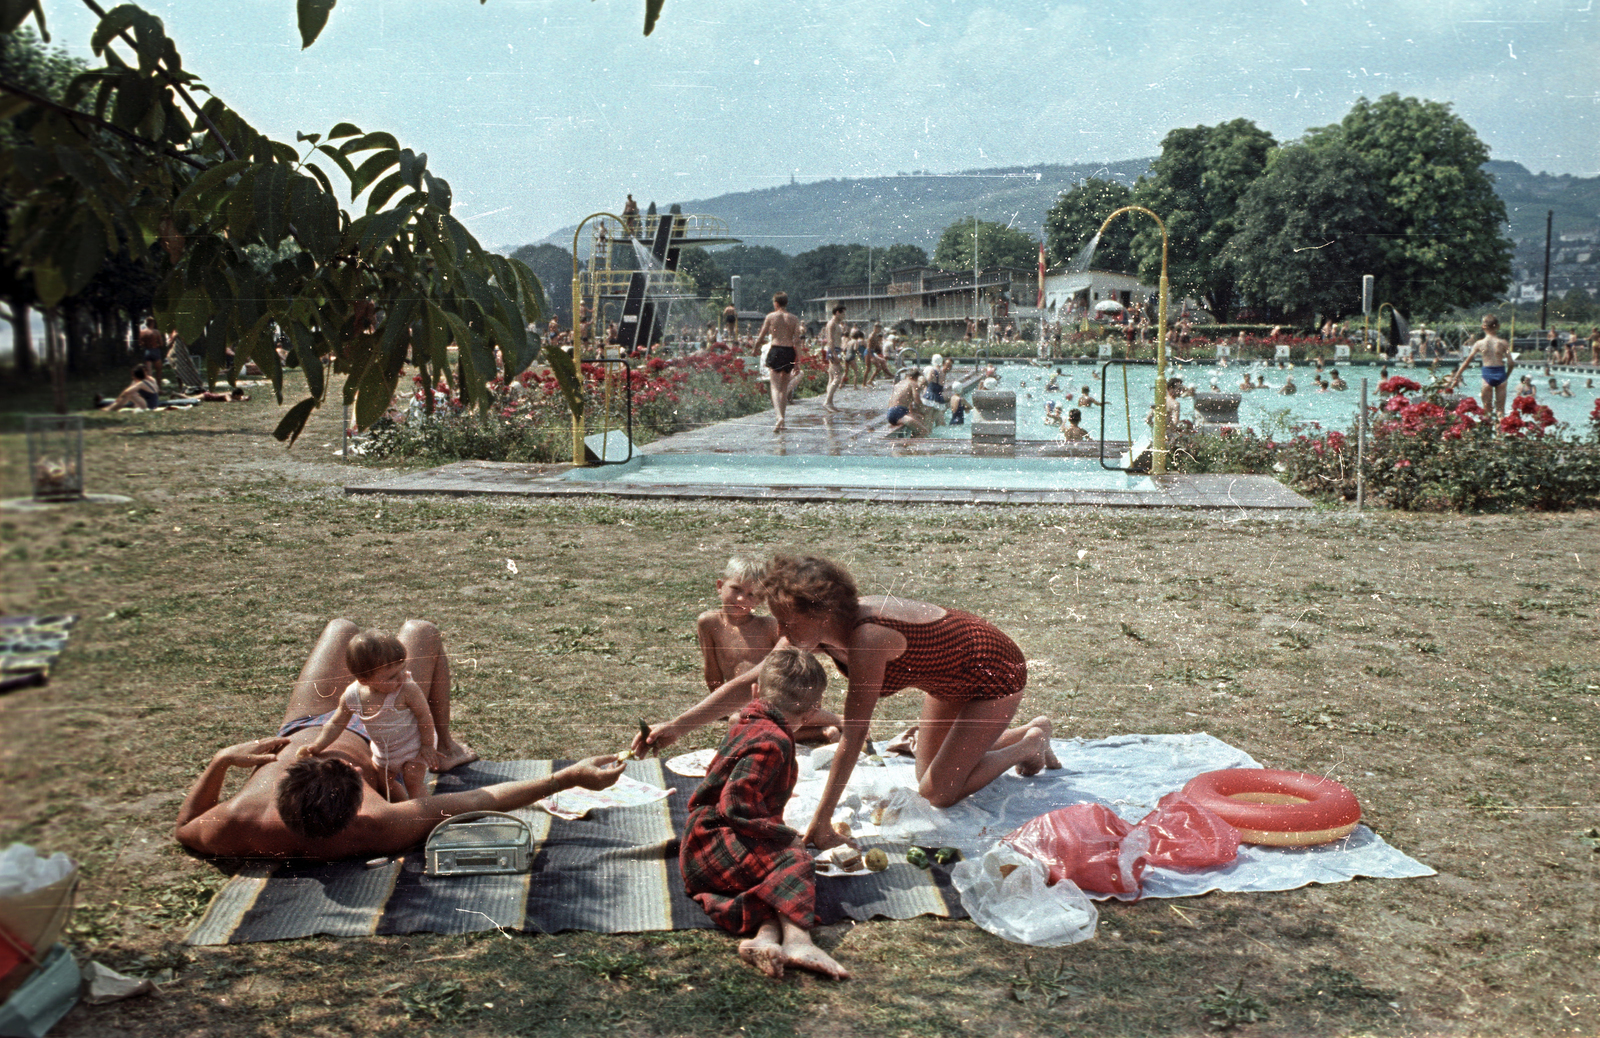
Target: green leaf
(115, 21)
(294, 421)
(313, 18)
(48, 284)
(652, 11)
(412, 166)
(382, 228)
(315, 216)
(566, 373)
(438, 191)
(384, 190)
(344, 130)
(312, 137)
(369, 142)
(345, 165)
(373, 395)
(371, 169)
(211, 179)
(305, 347)
(14, 12)
(271, 196)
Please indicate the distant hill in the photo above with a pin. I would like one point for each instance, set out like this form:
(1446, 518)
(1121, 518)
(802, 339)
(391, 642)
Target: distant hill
(916, 207)
(879, 211)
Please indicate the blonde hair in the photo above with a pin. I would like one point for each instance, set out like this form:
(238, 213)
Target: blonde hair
(744, 570)
(372, 651)
(791, 681)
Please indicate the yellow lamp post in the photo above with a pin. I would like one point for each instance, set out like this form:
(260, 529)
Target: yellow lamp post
(1158, 460)
(577, 340)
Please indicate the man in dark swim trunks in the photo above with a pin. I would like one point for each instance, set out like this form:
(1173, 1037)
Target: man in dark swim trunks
(1497, 366)
(784, 354)
(332, 806)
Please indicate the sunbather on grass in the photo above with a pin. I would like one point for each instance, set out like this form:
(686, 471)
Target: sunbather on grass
(334, 805)
(748, 870)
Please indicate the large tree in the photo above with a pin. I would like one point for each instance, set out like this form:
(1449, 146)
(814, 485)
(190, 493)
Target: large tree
(1078, 214)
(552, 265)
(1194, 186)
(999, 245)
(1308, 230)
(1444, 241)
(762, 271)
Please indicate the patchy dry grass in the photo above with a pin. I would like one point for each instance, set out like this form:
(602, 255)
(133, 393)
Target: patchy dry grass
(1444, 668)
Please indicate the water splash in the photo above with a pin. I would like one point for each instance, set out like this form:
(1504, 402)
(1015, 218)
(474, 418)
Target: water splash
(1080, 262)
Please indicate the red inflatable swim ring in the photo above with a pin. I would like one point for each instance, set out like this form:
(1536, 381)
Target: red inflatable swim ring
(1277, 808)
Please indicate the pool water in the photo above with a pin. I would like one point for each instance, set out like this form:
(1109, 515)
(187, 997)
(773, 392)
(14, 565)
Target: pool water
(1265, 411)
(935, 472)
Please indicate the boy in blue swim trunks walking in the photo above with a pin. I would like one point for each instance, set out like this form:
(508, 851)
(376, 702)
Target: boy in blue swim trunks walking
(1497, 366)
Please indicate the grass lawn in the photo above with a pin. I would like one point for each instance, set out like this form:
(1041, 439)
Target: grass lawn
(1443, 667)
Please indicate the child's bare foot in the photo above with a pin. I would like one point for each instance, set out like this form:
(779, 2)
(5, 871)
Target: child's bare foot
(904, 743)
(807, 956)
(1051, 761)
(455, 755)
(1037, 743)
(763, 951)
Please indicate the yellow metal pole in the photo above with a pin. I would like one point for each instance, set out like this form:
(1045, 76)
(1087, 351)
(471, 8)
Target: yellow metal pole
(577, 344)
(1158, 459)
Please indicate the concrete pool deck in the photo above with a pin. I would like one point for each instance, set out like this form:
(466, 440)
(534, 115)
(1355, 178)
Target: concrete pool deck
(856, 431)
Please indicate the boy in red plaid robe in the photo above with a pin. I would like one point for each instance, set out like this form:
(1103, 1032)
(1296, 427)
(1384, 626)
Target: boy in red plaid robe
(748, 870)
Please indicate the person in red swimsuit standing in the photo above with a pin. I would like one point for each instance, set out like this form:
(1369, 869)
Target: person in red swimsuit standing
(971, 675)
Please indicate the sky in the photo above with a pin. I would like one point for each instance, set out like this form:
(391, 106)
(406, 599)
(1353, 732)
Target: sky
(539, 112)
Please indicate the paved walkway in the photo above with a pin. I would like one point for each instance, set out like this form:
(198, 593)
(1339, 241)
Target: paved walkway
(856, 430)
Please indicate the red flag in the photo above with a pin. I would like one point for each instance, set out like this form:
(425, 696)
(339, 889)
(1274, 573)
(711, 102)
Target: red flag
(1040, 302)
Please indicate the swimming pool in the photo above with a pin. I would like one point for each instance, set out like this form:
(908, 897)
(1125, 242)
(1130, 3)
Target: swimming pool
(1266, 411)
(936, 472)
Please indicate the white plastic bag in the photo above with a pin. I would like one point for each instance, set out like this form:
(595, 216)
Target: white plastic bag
(1021, 906)
(909, 818)
(22, 871)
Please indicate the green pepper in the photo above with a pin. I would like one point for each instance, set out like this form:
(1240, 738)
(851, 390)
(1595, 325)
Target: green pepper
(918, 857)
(945, 855)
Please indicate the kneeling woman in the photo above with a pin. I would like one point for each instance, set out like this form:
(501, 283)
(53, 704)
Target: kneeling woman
(971, 673)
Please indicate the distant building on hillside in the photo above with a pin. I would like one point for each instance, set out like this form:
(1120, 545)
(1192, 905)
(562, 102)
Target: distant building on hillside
(933, 302)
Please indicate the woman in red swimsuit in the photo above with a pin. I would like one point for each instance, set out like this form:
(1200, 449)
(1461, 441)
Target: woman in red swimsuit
(971, 673)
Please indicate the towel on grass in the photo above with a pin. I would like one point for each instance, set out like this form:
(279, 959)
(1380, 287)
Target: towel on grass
(616, 871)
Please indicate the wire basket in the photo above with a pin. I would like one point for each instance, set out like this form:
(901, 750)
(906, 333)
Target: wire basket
(55, 457)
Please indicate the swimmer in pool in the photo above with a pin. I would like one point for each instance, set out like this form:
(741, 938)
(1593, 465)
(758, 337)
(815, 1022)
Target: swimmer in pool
(1497, 365)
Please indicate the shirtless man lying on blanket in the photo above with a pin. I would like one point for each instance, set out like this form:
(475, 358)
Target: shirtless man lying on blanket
(332, 805)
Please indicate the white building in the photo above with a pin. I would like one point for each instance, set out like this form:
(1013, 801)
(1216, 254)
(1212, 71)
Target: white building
(1080, 290)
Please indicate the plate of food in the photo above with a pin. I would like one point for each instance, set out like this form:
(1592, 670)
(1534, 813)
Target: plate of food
(845, 860)
(693, 764)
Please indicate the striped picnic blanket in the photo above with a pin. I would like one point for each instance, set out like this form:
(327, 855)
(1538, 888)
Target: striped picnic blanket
(614, 871)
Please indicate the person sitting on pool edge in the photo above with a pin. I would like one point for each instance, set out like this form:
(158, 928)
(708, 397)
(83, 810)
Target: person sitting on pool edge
(332, 806)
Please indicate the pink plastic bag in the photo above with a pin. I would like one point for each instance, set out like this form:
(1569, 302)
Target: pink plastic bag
(1082, 843)
(1183, 834)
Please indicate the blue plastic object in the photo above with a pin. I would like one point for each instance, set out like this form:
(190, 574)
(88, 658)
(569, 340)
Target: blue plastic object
(44, 998)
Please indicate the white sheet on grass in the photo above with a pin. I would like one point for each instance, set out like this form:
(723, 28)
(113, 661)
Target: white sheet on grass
(1128, 774)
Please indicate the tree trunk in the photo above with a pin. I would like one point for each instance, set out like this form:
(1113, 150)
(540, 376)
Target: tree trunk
(55, 357)
(23, 359)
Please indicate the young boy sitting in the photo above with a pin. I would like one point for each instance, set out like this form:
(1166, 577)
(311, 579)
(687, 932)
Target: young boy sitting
(733, 639)
(748, 870)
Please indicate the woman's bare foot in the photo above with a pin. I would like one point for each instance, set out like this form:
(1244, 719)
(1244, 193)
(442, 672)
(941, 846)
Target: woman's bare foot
(455, 755)
(1041, 722)
(905, 743)
(1037, 744)
(763, 951)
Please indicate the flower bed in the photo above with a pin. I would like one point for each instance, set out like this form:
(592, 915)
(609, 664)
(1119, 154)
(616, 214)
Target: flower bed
(1420, 455)
(528, 419)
